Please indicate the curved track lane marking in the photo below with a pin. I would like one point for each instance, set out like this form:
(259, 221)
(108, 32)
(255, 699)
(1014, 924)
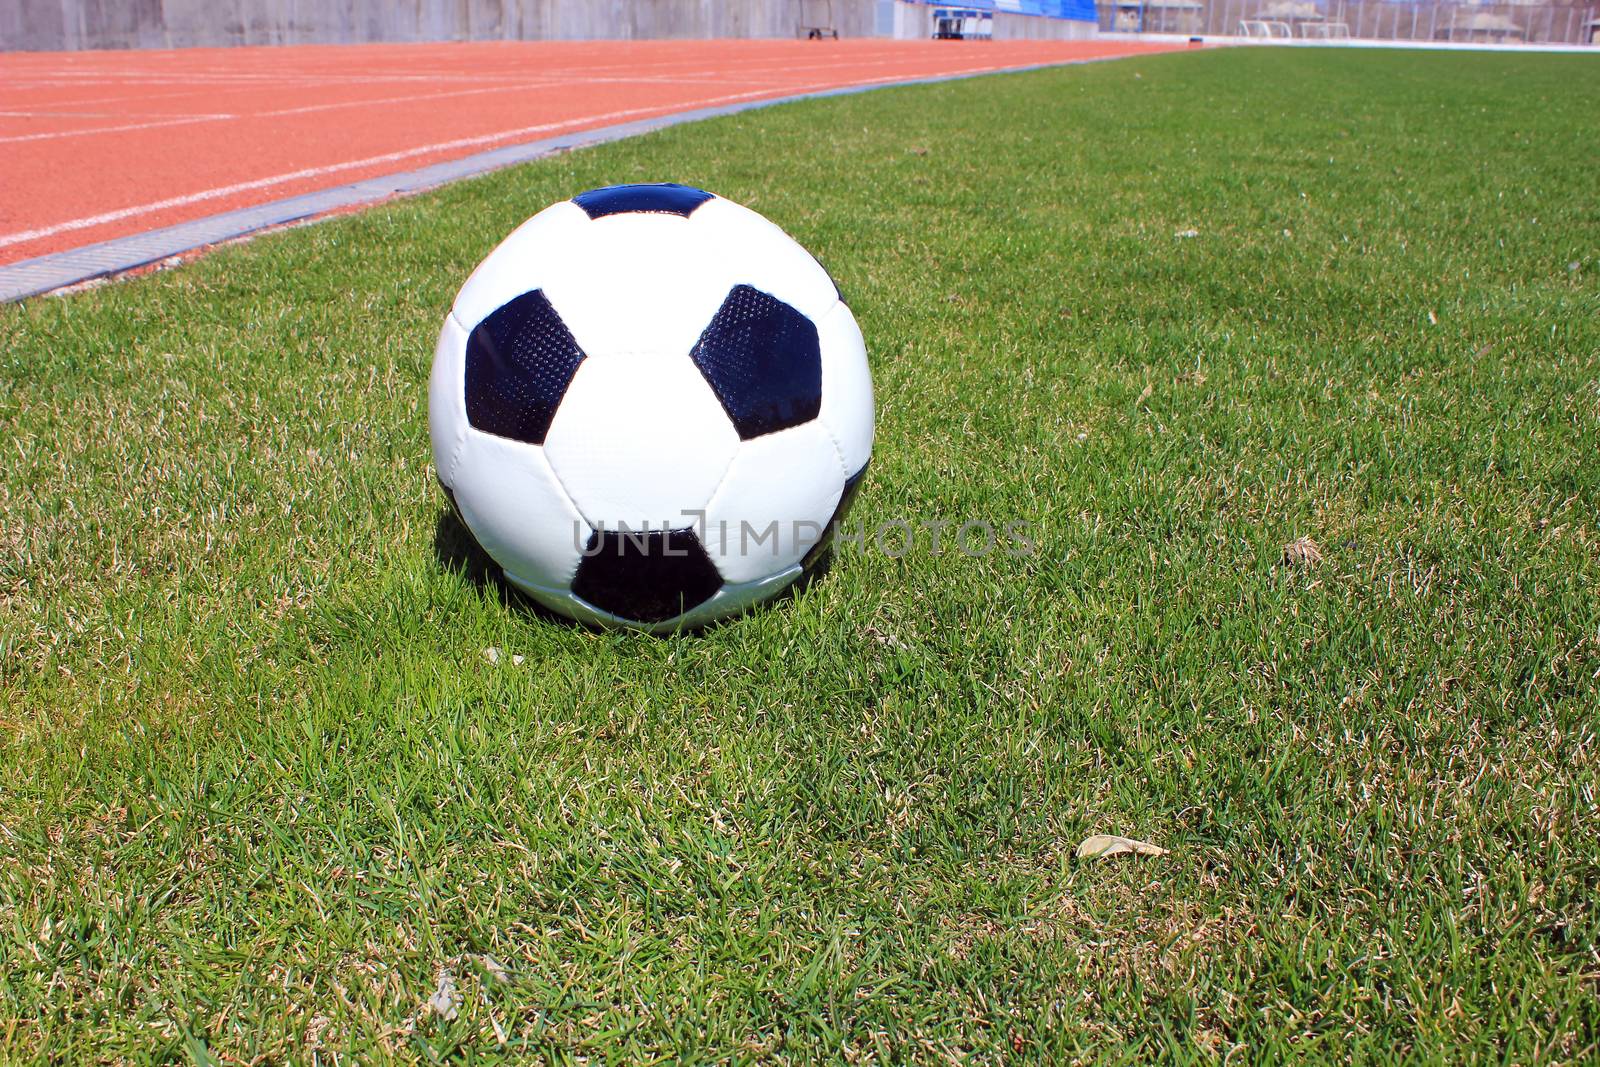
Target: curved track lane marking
(770, 83)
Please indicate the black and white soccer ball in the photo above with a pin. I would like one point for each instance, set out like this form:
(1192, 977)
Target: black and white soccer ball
(651, 407)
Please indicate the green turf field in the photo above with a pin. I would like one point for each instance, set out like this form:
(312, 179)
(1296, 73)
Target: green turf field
(259, 785)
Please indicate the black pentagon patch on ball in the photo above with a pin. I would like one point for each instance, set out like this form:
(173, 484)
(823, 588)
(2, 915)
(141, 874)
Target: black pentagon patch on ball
(648, 576)
(818, 551)
(520, 361)
(761, 358)
(663, 198)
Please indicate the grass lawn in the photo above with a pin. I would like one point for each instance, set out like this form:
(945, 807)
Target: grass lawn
(260, 787)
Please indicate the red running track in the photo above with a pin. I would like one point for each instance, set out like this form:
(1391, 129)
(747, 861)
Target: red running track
(96, 145)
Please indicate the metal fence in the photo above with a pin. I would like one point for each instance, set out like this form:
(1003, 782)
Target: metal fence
(1380, 20)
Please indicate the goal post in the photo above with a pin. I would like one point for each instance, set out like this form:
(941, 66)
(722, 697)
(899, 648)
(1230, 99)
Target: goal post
(1325, 31)
(1264, 30)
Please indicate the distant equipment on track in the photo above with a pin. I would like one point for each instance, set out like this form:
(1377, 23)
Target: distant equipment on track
(816, 20)
(962, 24)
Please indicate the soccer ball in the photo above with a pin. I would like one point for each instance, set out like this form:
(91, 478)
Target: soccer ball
(651, 407)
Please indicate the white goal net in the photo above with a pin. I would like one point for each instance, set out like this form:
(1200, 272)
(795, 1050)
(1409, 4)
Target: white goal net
(1264, 30)
(1325, 31)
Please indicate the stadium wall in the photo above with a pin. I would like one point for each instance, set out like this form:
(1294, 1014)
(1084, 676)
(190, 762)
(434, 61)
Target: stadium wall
(53, 25)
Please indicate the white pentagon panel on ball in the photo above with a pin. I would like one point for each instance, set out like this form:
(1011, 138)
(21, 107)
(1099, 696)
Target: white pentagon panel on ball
(774, 504)
(516, 508)
(534, 254)
(447, 411)
(846, 387)
(638, 282)
(764, 257)
(639, 438)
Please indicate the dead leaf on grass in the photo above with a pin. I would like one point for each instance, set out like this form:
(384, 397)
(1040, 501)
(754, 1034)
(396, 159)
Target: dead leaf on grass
(1302, 552)
(445, 999)
(1100, 846)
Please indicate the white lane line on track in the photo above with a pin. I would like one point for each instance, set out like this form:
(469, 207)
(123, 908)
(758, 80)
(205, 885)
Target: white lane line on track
(550, 82)
(730, 70)
(490, 84)
(443, 146)
(55, 135)
(337, 105)
(411, 71)
(100, 115)
(121, 98)
(202, 80)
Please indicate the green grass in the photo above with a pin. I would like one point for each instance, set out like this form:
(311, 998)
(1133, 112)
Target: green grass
(258, 784)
